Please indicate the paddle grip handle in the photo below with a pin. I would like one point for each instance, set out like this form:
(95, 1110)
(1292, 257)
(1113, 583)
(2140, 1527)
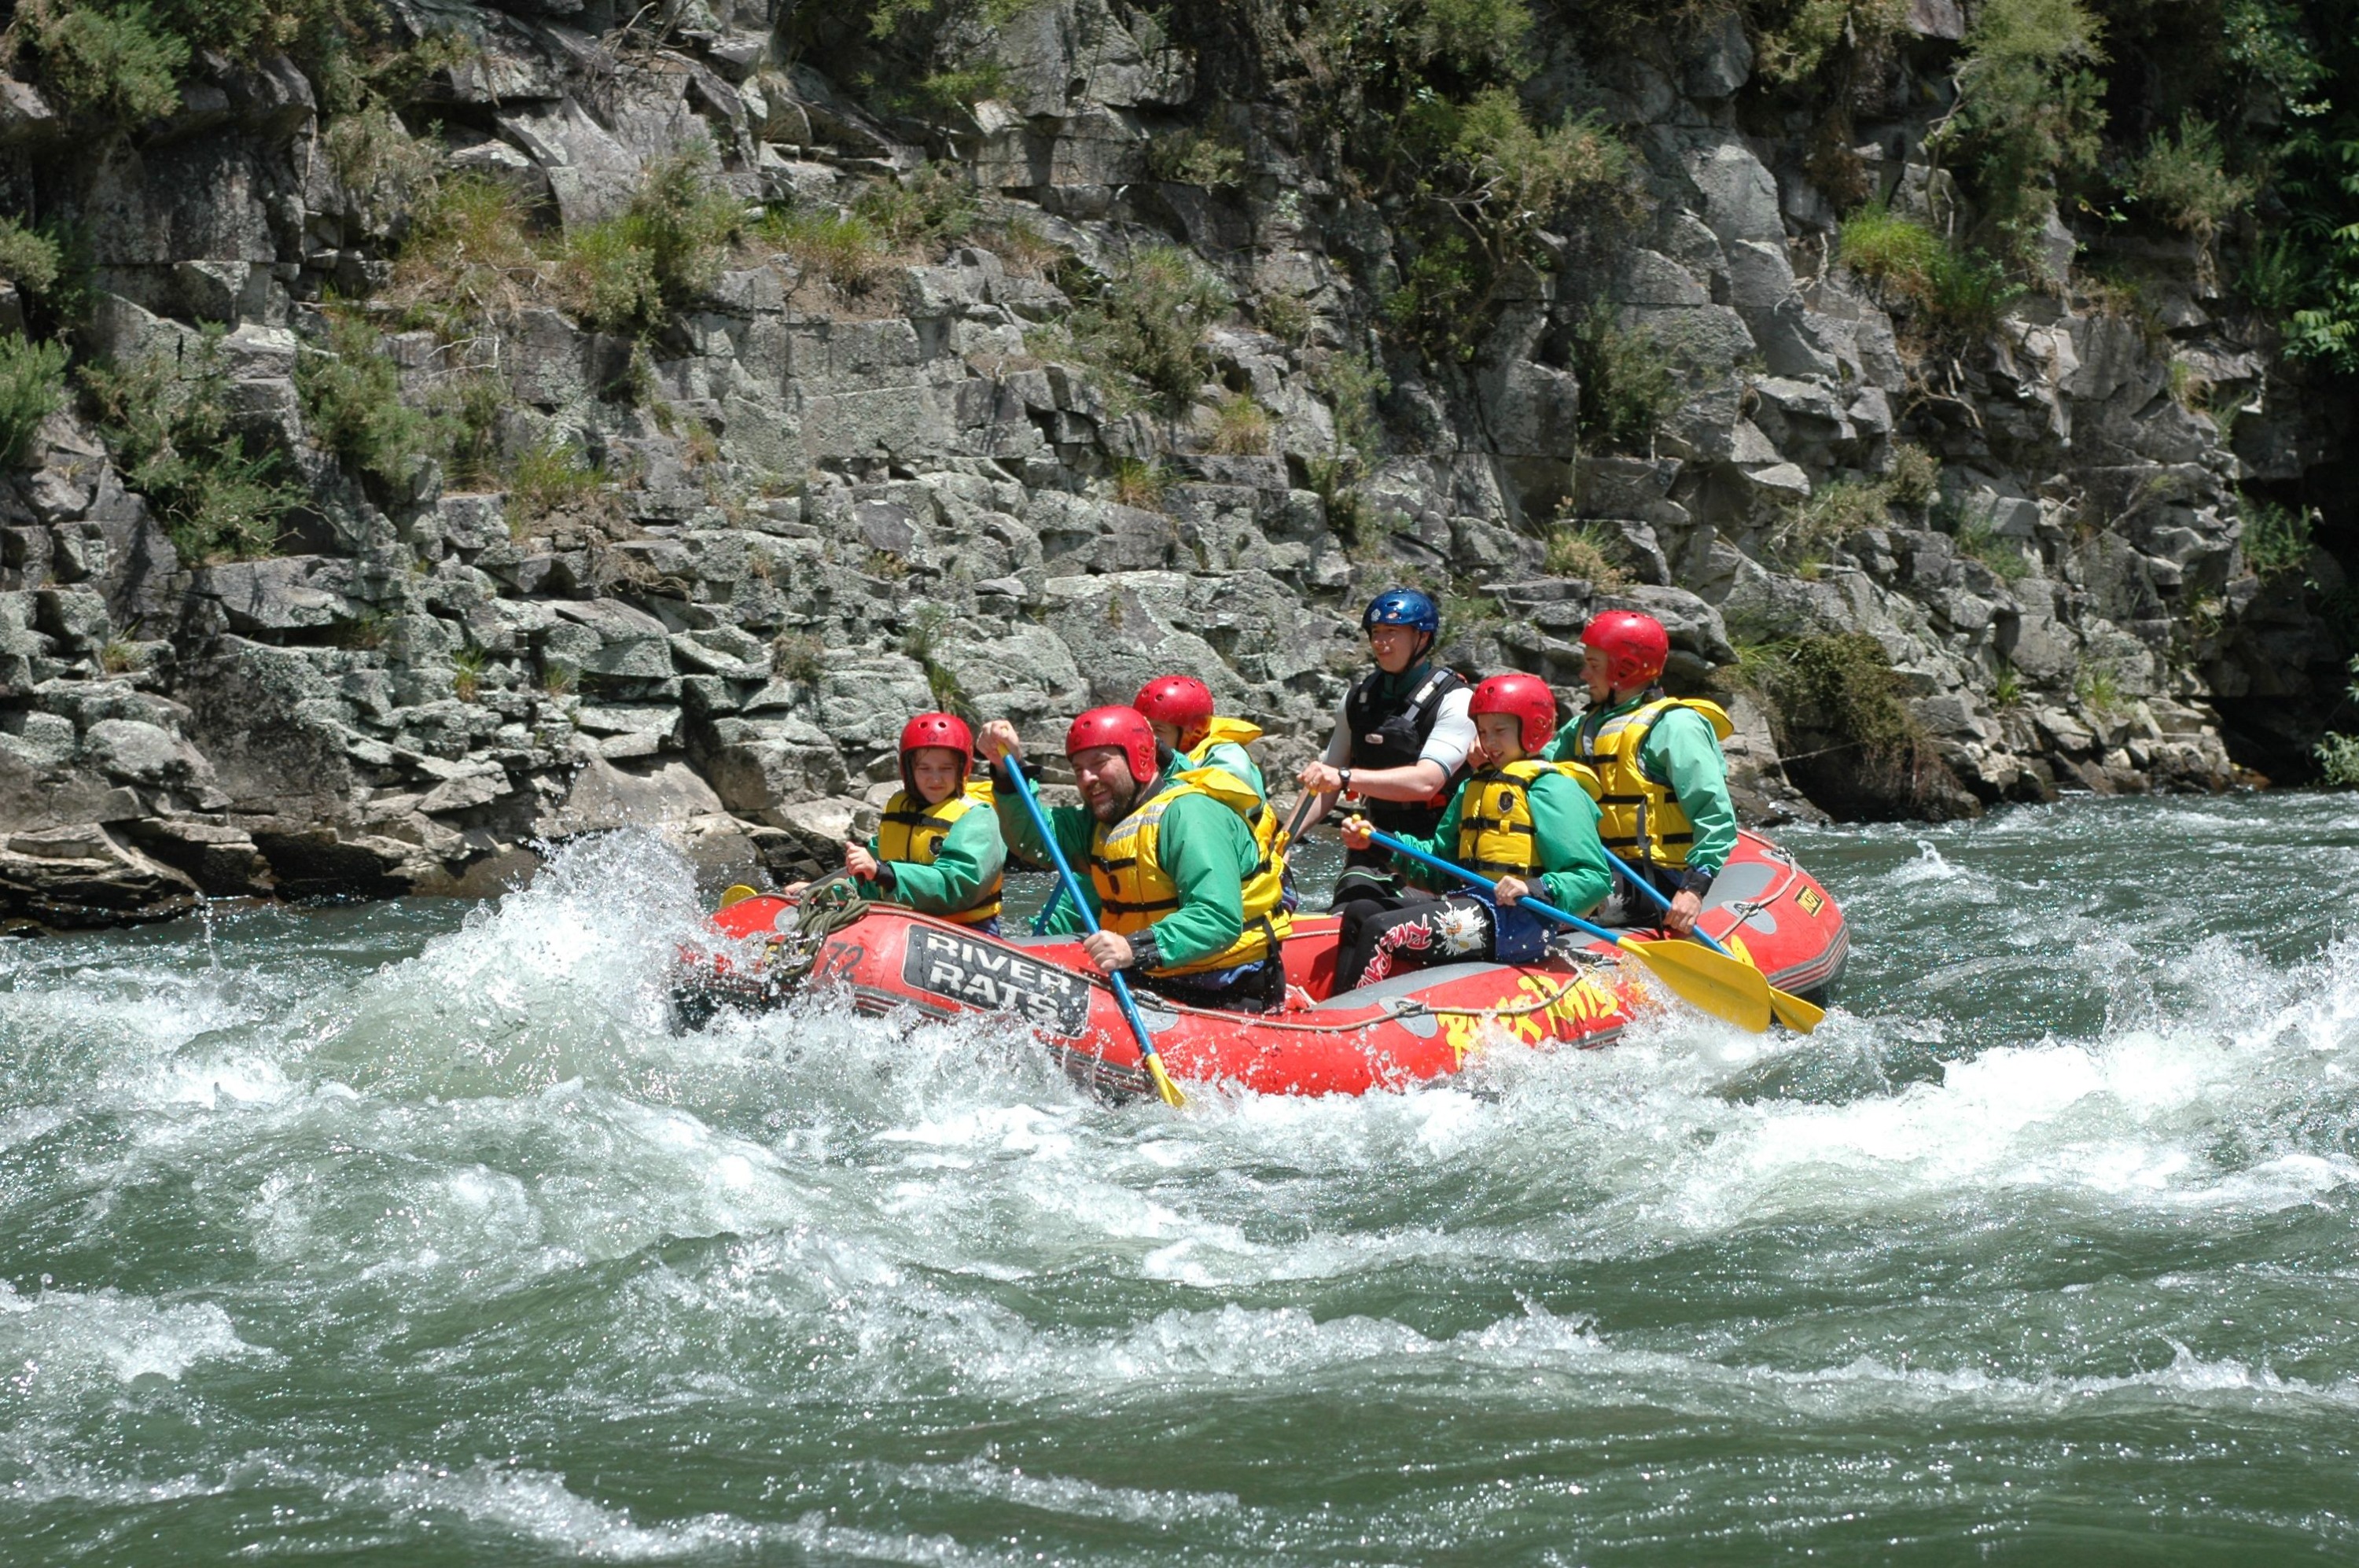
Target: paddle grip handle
(1479, 880)
(1662, 900)
(1072, 886)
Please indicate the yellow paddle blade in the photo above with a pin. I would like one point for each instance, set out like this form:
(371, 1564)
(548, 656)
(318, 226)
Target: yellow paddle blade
(738, 894)
(1795, 1014)
(1721, 986)
(1163, 1084)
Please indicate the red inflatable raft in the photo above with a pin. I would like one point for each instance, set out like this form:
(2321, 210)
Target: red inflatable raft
(1420, 1024)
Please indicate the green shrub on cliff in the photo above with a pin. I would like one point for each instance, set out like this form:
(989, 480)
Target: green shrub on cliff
(1488, 181)
(1149, 320)
(28, 258)
(1628, 385)
(2183, 179)
(353, 403)
(1794, 49)
(172, 432)
(1192, 158)
(32, 387)
(661, 254)
(2028, 108)
(1957, 293)
(2276, 539)
(467, 258)
(120, 63)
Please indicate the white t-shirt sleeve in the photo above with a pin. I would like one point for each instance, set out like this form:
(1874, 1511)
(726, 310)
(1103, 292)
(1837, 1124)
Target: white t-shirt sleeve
(1339, 744)
(1454, 732)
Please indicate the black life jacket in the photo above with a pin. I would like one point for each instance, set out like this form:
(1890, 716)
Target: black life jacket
(1389, 731)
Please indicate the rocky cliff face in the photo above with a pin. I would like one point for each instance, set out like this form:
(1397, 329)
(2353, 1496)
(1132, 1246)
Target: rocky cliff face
(700, 566)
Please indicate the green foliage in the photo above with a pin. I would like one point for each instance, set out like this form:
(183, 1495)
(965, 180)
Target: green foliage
(925, 213)
(1833, 512)
(32, 387)
(886, 17)
(2007, 690)
(1628, 385)
(1140, 483)
(352, 401)
(1588, 550)
(119, 63)
(2099, 688)
(953, 91)
(1354, 384)
(550, 478)
(661, 254)
(2183, 179)
(1797, 50)
(1192, 158)
(371, 154)
(1488, 182)
(1284, 316)
(2338, 760)
(1841, 696)
(2338, 755)
(1241, 427)
(1150, 320)
(838, 246)
(28, 258)
(2276, 539)
(2028, 108)
(171, 434)
(2003, 556)
(928, 209)
(1915, 477)
(1437, 307)
(467, 673)
(797, 656)
(1896, 252)
(467, 257)
(1959, 293)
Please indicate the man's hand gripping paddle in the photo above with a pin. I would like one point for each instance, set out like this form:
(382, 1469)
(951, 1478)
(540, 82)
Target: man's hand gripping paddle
(1072, 889)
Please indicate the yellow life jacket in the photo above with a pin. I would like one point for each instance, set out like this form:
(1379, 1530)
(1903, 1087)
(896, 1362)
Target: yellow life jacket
(1235, 731)
(1496, 833)
(913, 831)
(1638, 817)
(1134, 891)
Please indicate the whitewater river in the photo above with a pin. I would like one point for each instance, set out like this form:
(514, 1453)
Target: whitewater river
(407, 1233)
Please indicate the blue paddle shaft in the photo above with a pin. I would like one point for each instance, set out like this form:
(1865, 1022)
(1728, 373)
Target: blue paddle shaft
(1072, 889)
(1479, 880)
(1662, 900)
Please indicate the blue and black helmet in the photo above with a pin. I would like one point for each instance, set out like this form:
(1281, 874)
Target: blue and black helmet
(1404, 607)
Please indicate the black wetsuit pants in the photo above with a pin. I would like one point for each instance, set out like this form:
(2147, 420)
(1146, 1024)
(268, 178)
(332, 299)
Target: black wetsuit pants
(1378, 940)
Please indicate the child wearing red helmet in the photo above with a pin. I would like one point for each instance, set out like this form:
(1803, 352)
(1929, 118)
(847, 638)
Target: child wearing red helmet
(1529, 824)
(938, 849)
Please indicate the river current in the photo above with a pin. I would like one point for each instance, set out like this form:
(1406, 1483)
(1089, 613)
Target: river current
(408, 1234)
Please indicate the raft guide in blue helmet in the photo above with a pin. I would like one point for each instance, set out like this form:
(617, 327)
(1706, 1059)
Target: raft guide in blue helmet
(1409, 607)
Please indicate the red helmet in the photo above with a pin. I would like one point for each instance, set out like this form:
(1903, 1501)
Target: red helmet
(946, 730)
(1635, 647)
(1180, 701)
(1526, 698)
(1125, 727)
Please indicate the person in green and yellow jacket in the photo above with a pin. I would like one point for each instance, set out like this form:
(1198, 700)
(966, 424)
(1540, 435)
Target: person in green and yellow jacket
(1180, 709)
(1184, 898)
(937, 850)
(1529, 824)
(1665, 810)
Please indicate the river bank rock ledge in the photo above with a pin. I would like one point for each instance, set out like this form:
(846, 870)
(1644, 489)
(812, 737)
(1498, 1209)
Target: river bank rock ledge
(696, 570)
